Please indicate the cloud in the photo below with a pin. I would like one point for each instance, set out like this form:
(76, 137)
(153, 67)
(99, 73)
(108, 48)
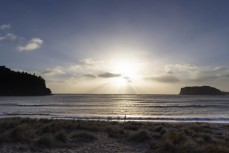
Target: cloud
(79, 70)
(186, 74)
(108, 75)
(225, 77)
(211, 74)
(191, 73)
(165, 79)
(73, 68)
(204, 78)
(89, 75)
(5, 26)
(8, 36)
(219, 68)
(53, 72)
(89, 62)
(174, 68)
(33, 44)
(54, 81)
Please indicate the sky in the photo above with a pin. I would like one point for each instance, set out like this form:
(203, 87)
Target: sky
(118, 46)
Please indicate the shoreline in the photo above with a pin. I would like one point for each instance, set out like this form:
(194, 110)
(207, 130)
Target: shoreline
(121, 118)
(61, 135)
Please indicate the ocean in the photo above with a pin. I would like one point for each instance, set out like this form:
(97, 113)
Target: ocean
(118, 107)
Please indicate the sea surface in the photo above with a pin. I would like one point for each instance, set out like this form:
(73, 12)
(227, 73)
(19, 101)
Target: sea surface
(166, 108)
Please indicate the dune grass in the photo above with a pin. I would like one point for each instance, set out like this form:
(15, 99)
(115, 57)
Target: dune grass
(43, 132)
(159, 137)
(83, 136)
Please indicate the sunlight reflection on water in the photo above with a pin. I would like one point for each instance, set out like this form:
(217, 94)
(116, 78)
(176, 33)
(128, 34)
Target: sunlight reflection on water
(135, 107)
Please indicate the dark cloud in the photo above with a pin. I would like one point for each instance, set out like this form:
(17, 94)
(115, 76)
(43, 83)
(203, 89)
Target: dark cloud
(226, 76)
(204, 78)
(221, 69)
(89, 76)
(165, 79)
(109, 75)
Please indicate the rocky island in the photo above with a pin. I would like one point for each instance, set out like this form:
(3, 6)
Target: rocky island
(201, 90)
(21, 84)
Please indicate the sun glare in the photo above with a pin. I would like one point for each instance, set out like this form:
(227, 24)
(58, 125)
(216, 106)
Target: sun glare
(126, 69)
(120, 81)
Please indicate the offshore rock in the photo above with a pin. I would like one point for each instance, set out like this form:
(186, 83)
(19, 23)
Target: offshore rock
(200, 90)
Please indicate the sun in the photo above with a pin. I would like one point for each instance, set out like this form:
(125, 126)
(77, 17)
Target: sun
(128, 72)
(126, 69)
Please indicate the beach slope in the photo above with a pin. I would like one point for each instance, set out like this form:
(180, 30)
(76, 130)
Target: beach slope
(45, 136)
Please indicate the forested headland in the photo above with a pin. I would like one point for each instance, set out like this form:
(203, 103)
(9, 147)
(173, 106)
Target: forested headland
(21, 83)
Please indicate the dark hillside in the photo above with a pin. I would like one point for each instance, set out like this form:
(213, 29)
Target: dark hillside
(21, 83)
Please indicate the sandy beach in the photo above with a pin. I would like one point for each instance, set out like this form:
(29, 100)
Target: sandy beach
(58, 136)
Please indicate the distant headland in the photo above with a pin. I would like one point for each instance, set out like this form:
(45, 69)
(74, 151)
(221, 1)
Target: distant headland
(21, 84)
(201, 90)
